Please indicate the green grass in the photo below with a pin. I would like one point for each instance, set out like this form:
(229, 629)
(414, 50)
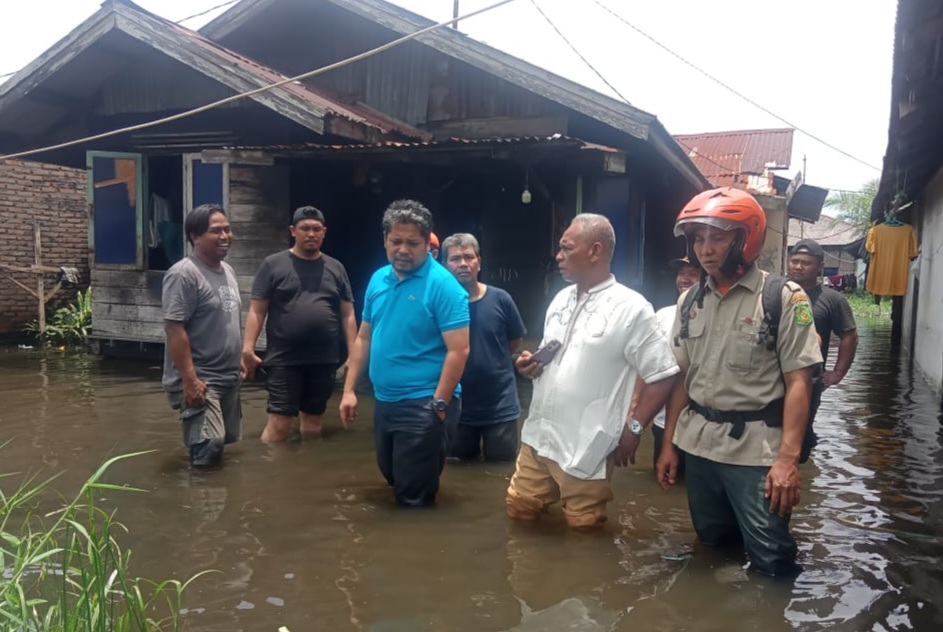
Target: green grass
(65, 571)
(862, 305)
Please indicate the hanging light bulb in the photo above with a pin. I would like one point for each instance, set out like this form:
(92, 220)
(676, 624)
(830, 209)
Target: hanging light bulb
(525, 196)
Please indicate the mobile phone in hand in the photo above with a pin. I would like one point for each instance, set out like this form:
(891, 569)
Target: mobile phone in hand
(546, 353)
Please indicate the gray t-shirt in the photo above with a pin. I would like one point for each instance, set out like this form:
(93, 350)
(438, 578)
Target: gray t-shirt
(208, 304)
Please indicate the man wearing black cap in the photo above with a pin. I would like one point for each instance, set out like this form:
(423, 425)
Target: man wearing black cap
(307, 298)
(830, 309)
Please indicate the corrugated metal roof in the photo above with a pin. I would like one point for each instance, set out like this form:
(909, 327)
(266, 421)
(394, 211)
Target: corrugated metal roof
(555, 140)
(353, 112)
(574, 96)
(722, 155)
(828, 231)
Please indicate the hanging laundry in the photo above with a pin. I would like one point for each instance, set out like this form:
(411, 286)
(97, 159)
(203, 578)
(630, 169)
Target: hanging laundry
(891, 249)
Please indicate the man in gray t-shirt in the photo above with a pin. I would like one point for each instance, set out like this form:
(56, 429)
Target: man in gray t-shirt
(201, 309)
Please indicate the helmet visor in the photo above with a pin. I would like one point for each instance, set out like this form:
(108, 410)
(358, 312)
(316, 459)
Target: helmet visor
(684, 225)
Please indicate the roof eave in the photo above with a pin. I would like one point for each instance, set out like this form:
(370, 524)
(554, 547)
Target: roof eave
(586, 101)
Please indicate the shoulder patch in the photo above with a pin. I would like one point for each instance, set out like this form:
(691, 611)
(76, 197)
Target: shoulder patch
(797, 297)
(802, 314)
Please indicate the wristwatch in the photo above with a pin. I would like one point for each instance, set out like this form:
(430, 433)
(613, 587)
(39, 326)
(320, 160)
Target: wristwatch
(636, 428)
(439, 405)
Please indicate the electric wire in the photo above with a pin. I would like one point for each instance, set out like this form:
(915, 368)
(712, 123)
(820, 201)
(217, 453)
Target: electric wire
(260, 90)
(599, 74)
(730, 88)
(578, 53)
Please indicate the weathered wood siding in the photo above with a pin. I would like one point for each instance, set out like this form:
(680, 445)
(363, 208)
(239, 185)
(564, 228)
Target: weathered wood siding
(126, 303)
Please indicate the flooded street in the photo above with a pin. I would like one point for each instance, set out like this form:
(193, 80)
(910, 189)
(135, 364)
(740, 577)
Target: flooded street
(305, 535)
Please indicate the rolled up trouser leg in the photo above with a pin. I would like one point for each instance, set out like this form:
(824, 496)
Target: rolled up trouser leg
(208, 428)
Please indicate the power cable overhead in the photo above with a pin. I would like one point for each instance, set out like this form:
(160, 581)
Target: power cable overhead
(730, 88)
(265, 88)
(578, 53)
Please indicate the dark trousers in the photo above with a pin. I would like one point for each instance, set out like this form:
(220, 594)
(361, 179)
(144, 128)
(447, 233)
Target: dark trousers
(498, 442)
(659, 436)
(411, 442)
(728, 507)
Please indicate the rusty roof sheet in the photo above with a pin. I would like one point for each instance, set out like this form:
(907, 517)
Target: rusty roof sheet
(445, 143)
(356, 113)
(722, 155)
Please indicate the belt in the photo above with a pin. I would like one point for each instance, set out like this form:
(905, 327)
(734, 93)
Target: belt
(771, 415)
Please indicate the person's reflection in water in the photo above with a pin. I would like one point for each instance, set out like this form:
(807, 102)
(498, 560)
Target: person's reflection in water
(208, 509)
(564, 581)
(417, 572)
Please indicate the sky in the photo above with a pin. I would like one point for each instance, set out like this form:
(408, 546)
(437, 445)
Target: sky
(821, 66)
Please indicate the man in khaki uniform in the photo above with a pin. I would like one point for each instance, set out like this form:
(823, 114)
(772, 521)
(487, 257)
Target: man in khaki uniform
(741, 411)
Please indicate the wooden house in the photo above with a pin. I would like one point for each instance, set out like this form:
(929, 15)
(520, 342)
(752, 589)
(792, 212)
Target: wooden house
(444, 119)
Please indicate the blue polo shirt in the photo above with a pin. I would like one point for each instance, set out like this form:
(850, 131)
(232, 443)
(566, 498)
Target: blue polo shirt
(407, 317)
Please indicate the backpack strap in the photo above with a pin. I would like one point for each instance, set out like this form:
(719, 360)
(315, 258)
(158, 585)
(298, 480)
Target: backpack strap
(772, 310)
(694, 295)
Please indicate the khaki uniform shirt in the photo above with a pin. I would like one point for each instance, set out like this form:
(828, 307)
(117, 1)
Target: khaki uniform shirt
(728, 370)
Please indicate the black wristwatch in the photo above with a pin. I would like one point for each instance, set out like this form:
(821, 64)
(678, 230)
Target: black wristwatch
(439, 405)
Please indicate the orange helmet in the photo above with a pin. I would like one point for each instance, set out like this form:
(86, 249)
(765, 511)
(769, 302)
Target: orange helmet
(433, 240)
(727, 208)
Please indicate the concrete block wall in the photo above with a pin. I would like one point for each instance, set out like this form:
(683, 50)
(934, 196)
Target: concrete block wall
(55, 197)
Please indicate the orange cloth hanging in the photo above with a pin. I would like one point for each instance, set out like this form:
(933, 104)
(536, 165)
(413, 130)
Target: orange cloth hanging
(891, 248)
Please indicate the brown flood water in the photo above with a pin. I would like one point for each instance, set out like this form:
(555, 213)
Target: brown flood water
(305, 535)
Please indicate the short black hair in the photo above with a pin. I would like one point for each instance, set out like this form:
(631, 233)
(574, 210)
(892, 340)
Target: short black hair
(407, 212)
(198, 220)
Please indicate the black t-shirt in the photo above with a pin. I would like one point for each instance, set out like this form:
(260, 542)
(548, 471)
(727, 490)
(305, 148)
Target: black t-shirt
(832, 314)
(303, 324)
(489, 390)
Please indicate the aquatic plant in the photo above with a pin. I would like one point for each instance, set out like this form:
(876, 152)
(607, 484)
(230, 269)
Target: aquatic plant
(863, 305)
(65, 571)
(68, 325)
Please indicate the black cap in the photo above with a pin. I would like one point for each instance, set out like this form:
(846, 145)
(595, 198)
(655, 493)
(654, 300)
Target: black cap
(306, 212)
(809, 247)
(676, 264)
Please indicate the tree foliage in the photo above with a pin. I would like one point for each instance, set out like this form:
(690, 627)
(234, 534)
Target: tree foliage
(854, 207)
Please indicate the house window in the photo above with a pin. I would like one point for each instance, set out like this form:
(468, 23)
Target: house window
(115, 189)
(164, 232)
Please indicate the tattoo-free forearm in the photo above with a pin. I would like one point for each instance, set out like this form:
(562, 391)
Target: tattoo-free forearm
(452, 369)
(178, 346)
(847, 346)
(795, 412)
(357, 356)
(677, 402)
(651, 398)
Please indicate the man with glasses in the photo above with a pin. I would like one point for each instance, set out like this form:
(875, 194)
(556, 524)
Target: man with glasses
(304, 298)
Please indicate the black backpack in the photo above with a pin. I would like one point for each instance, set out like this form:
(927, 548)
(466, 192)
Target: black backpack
(768, 334)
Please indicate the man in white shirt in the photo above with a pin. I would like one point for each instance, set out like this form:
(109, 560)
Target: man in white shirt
(687, 276)
(578, 427)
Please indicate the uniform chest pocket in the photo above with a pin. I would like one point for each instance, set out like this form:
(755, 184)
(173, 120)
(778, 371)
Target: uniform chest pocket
(742, 350)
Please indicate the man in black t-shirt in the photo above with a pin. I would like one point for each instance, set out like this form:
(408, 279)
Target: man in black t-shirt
(830, 309)
(831, 313)
(305, 300)
(490, 404)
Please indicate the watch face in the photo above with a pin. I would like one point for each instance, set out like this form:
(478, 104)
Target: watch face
(636, 428)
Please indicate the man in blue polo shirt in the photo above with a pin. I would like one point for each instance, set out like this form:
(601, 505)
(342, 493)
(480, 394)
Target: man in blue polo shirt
(415, 335)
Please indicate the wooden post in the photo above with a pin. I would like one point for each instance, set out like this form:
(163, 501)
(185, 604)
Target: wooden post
(40, 285)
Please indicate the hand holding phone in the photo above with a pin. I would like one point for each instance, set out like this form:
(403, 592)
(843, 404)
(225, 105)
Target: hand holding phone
(546, 353)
